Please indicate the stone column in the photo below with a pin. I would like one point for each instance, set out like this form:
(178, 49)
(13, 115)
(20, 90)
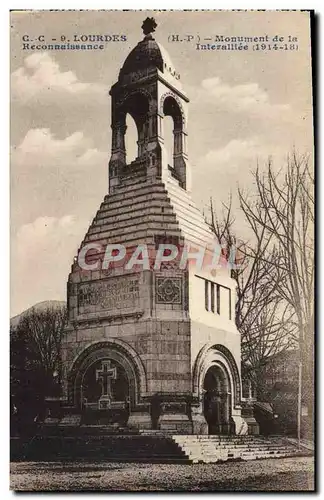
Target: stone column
(118, 154)
(154, 126)
(159, 131)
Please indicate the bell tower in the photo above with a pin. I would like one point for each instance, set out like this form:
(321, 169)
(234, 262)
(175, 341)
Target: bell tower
(148, 88)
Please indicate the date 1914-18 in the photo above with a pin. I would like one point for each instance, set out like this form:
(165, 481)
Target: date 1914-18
(275, 46)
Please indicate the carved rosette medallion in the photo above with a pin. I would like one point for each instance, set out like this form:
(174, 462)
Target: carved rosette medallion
(169, 290)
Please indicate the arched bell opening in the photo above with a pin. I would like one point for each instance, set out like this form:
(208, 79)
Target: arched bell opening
(172, 109)
(131, 140)
(136, 108)
(168, 139)
(217, 401)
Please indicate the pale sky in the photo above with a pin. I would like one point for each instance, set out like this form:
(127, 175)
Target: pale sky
(244, 106)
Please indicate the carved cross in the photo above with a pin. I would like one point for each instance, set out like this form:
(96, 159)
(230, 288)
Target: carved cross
(106, 374)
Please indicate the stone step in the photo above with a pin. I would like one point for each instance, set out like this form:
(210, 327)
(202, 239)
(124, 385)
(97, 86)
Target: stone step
(149, 207)
(130, 181)
(131, 223)
(84, 431)
(173, 185)
(240, 452)
(186, 208)
(161, 198)
(128, 221)
(87, 444)
(129, 192)
(123, 448)
(121, 234)
(131, 239)
(221, 444)
(185, 205)
(140, 237)
(210, 449)
(70, 420)
(132, 211)
(139, 203)
(235, 446)
(189, 216)
(195, 231)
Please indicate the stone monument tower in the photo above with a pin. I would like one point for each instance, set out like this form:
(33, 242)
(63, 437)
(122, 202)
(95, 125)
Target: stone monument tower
(150, 341)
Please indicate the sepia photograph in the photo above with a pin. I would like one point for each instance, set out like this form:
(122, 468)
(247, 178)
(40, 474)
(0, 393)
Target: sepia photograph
(162, 239)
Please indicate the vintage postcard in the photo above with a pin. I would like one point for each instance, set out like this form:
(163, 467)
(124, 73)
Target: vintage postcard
(162, 251)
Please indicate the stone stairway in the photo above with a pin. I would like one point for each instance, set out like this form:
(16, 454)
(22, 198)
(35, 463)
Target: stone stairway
(211, 449)
(96, 446)
(99, 443)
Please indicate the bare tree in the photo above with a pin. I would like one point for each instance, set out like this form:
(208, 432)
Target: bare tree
(260, 314)
(283, 210)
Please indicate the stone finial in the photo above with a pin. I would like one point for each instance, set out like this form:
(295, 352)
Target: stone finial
(149, 25)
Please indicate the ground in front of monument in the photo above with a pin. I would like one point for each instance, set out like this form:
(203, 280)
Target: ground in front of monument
(287, 474)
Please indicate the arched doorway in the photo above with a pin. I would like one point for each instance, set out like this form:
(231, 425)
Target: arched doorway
(217, 400)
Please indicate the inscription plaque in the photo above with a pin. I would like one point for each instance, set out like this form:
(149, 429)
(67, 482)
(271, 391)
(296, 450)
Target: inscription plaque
(108, 295)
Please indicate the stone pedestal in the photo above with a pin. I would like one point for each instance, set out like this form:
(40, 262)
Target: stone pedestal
(248, 416)
(199, 424)
(53, 407)
(174, 419)
(71, 420)
(241, 426)
(140, 419)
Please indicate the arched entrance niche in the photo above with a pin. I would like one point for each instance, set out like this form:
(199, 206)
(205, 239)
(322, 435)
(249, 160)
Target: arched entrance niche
(216, 382)
(104, 383)
(217, 400)
(106, 376)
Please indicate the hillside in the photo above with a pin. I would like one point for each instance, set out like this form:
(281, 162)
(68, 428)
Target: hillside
(38, 307)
